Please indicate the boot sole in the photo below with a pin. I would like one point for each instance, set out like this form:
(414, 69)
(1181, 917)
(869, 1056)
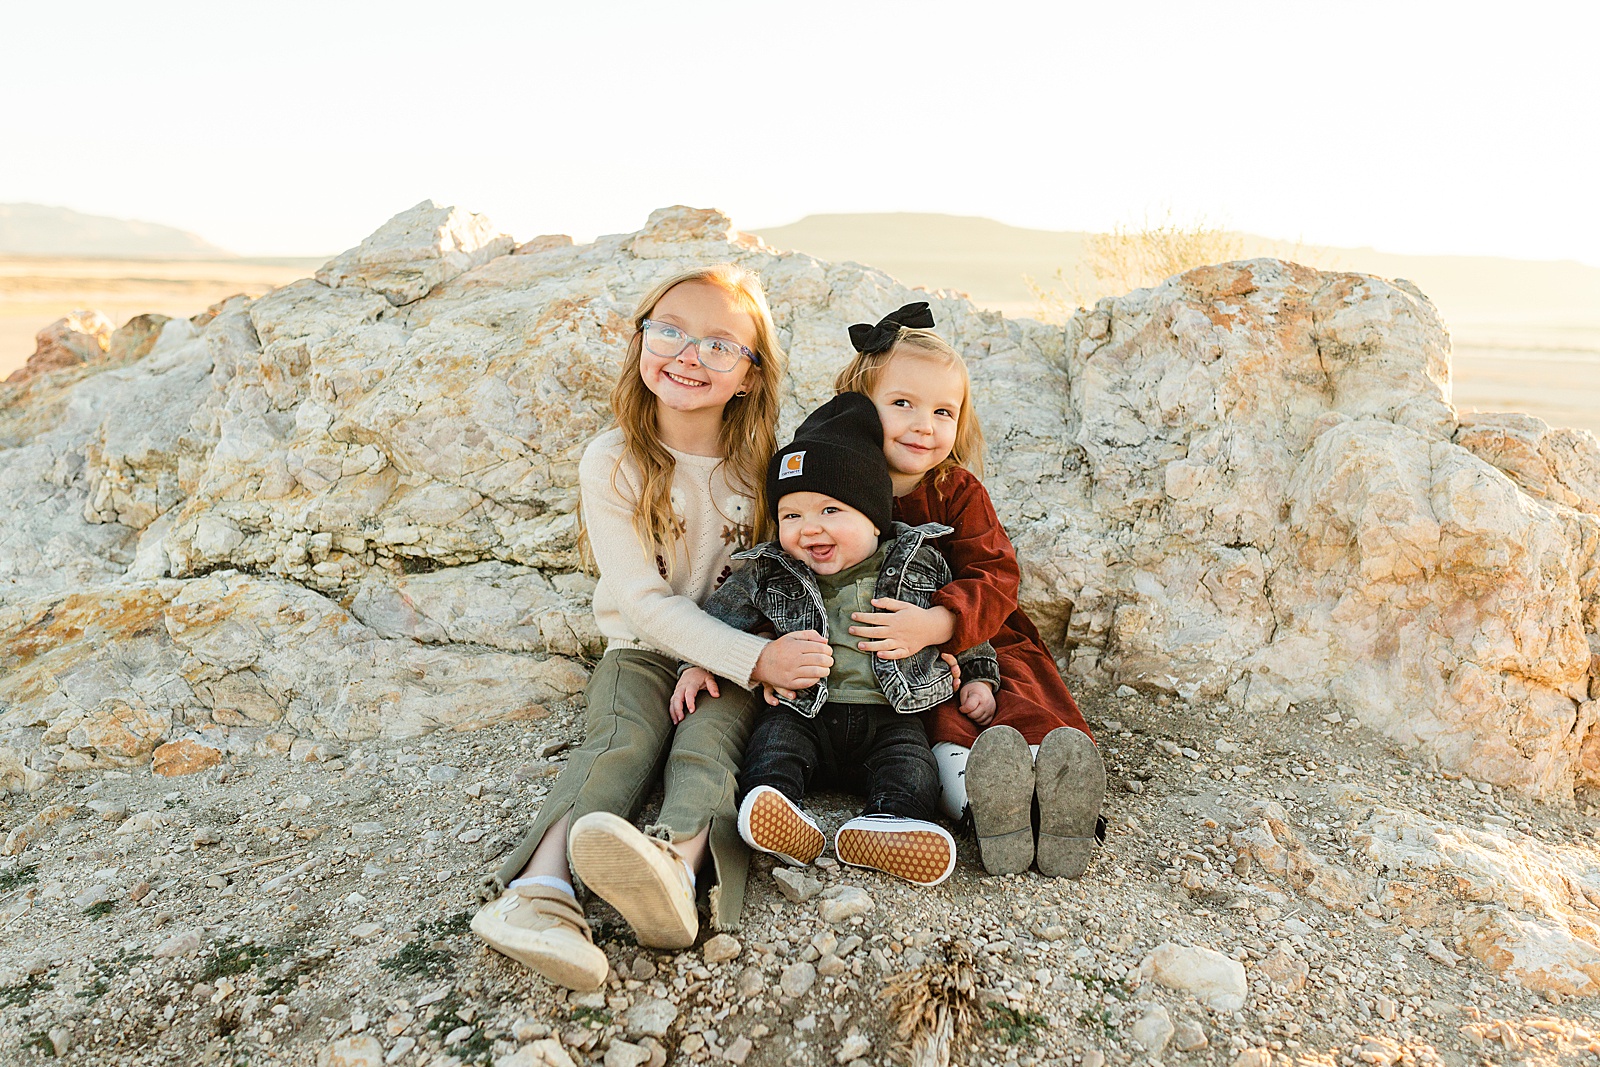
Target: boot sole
(1000, 776)
(1071, 787)
(534, 952)
(771, 824)
(622, 867)
(925, 857)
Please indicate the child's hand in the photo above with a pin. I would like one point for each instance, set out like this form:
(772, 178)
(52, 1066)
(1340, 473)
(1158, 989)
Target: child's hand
(794, 661)
(690, 682)
(977, 702)
(955, 669)
(898, 629)
(770, 695)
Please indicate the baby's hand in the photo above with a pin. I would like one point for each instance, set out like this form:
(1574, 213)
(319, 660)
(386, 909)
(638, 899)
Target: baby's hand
(898, 629)
(977, 702)
(771, 695)
(690, 682)
(794, 661)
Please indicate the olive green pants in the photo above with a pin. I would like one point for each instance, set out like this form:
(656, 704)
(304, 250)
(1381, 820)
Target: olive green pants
(628, 738)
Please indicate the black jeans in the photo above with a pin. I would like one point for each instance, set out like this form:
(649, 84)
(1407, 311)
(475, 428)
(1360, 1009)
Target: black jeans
(848, 746)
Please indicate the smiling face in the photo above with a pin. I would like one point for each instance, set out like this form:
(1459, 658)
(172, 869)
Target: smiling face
(825, 534)
(681, 383)
(919, 402)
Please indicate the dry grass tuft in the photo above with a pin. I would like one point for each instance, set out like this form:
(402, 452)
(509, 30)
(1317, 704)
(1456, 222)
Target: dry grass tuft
(1130, 258)
(935, 1005)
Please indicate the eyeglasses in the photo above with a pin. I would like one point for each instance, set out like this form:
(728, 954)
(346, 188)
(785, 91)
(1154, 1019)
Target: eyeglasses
(668, 342)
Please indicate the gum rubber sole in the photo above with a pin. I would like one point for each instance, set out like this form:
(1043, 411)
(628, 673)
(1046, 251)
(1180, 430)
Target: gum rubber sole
(1071, 787)
(924, 853)
(769, 822)
(1000, 777)
(637, 876)
(565, 959)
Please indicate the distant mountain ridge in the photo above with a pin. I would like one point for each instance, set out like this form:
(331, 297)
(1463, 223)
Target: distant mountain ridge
(44, 230)
(989, 261)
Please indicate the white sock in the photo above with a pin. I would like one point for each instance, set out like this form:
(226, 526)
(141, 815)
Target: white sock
(1035, 750)
(952, 762)
(549, 881)
(692, 879)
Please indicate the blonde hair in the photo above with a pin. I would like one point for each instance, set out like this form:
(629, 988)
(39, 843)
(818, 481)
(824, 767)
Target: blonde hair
(748, 436)
(863, 372)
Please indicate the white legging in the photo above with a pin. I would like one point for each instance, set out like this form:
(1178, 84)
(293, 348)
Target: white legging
(952, 761)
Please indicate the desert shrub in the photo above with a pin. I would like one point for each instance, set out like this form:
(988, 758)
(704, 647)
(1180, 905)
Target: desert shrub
(1133, 257)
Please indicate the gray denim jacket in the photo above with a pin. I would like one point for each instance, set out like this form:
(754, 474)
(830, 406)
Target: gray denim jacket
(778, 590)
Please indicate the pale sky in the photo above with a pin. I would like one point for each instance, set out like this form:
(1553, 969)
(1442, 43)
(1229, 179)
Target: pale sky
(296, 128)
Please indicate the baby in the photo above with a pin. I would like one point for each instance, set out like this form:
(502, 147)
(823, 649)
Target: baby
(837, 550)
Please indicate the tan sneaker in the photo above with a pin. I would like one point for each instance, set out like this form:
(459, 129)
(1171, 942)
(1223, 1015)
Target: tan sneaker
(642, 877)
(544, 930)
(918, 851)
(770, 822)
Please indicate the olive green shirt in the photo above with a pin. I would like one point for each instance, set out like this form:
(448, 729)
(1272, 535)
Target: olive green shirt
(851, 681)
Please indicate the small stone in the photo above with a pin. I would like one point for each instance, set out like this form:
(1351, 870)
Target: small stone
(1171, 748)
(1438, 953)
(721, 949)
(1225, 746)
(458, 1035)
(738, 1051)
(362, 931)
(750, 983)
(643, 969)
(1253, 1057)
(844, 902)
(139, 892)
(1126, 692)
(651, 1015)
(434, 997)
(96, 894)
(142, 822)
(1188, 1035)
(1212, 978)
(797, 979)
(1153, 1029)
(109, 810)
(207, 835)
(549, 748)
(831, 966)
(441, 773)
(60, 1040)
(182, 943)
(184, 756)
(400, 1049)
(363, 1051)
(1284, 969)
(1386, 1008)
(854, 1046)
(796, 886)
(475, 790)
(472, 836)
(626, 1054)
(1333, 718)
(1093, 1057)
(545, 1052)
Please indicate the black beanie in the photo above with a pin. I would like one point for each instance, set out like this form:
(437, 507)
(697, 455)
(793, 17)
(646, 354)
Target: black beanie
(837, 451)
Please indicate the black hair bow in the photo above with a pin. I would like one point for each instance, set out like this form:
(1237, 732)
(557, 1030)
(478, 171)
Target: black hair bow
(870, 340)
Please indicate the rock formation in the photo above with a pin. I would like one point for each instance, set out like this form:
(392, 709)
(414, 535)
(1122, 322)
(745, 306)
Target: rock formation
(347, 508)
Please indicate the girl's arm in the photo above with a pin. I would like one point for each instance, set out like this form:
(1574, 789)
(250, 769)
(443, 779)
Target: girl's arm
(983, 589)
(659, 616)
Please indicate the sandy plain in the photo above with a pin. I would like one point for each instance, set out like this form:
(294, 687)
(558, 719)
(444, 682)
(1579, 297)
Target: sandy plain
(1526, 334)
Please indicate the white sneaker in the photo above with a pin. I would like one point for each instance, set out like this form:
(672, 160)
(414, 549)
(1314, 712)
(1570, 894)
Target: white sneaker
(544, 930)
(918, 851)
(642, 877)
(770, 822)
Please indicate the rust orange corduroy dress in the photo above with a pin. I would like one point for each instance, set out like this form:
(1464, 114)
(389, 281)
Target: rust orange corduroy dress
(1033, 698)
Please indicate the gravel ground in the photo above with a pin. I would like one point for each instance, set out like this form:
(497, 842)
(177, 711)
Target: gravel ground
(315, 910)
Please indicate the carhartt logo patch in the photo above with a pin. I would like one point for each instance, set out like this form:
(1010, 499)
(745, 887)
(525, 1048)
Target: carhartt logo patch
(792, 466)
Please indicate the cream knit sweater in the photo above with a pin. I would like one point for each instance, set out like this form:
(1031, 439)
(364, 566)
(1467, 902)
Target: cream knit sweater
(635, 605)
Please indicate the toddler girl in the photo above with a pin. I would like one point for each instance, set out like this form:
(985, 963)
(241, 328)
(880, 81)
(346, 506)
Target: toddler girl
(667, 496)
(1036, 747)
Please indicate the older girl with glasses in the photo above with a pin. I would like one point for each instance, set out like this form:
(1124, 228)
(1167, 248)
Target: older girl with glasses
(668, 496)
